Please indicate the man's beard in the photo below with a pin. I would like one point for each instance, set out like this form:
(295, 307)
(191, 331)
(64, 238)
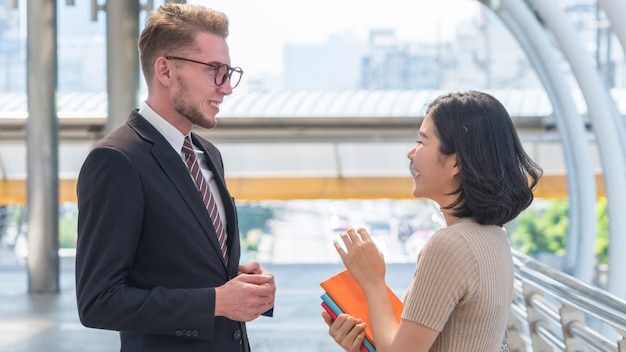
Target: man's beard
(188, 110)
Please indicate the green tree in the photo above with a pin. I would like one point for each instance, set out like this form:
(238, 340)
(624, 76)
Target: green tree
(544, 229)
(253, 221)
(253, 216)
(68, 227)
(602, 242)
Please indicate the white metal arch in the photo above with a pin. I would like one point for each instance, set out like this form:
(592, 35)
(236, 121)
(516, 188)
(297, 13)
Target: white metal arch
(615, 10)
(602, 111)
(570, 125)
(612, 9)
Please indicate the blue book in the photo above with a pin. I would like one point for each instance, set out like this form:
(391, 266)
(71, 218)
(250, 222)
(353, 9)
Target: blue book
(329, 301)
(335, 309)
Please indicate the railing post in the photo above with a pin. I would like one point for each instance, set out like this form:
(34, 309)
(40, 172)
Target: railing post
(555, 309)
(570, 315)
(534, 318)
(514, 331)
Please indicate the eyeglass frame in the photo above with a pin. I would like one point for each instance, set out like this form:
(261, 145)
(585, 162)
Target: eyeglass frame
(230, 70)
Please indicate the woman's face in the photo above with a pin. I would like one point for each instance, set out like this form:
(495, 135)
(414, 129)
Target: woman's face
(434, 174)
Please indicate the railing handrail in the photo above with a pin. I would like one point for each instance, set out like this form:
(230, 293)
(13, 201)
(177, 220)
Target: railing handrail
(538, 286)
(567, 289)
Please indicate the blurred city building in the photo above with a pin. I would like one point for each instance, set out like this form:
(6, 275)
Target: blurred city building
(482, 55)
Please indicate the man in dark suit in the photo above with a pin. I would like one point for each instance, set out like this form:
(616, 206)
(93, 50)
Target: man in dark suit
(149, 260)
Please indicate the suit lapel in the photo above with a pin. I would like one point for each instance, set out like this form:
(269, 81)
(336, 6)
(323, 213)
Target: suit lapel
(174, 167)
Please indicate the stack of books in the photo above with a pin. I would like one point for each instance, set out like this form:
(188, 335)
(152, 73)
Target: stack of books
(342, 294)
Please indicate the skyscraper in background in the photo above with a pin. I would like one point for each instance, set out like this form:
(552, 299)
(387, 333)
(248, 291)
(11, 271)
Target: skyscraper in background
(81, 42)
(482, 55)
(12, 52)
(333, 65)
(393, 65)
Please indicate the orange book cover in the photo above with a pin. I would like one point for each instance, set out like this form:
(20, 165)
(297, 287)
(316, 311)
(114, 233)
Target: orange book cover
(349, 296)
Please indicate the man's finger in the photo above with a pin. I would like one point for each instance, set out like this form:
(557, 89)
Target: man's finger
(256, 279)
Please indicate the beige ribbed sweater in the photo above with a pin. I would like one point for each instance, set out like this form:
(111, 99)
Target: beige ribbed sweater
(463, 287)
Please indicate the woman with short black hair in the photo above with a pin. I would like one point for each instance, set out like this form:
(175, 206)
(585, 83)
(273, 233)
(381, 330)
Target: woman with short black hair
(469, 160)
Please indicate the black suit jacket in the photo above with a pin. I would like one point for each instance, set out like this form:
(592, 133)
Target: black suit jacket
(148, 260)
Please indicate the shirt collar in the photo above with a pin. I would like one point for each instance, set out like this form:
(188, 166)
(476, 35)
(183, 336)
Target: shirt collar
(171, 133)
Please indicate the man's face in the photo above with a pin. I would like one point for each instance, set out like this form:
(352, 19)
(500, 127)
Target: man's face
(195, 95)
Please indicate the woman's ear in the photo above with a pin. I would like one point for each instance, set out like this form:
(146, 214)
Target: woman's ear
(453, 165)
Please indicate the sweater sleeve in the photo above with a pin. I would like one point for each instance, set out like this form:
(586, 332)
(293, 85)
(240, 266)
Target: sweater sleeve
(446, 276)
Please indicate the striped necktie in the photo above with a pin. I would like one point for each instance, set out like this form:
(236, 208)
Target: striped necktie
(205, 192)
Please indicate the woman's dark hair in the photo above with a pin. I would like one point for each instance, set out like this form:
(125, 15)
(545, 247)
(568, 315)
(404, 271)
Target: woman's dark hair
(497, 176)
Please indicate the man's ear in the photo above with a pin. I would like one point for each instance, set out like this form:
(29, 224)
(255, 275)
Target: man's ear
(162, 71)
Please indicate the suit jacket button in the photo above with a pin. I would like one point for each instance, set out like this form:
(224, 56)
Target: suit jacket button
(195, 333)
(237, 335)
(179, 333)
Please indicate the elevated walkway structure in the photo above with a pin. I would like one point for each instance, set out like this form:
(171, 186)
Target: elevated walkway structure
(344, 146)
(296, 145)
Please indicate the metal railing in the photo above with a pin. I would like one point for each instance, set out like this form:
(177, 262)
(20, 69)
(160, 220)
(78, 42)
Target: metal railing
(553, 311)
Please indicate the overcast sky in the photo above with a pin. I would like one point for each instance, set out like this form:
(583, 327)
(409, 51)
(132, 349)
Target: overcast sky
(259, 29)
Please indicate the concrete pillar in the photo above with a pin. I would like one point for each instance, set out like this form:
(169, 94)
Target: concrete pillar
(122, 19)
(42, 148)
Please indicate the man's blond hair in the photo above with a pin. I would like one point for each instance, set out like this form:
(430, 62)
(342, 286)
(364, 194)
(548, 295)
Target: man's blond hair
(172, 29)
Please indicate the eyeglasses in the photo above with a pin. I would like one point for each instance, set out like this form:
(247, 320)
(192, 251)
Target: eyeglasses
(220, 72)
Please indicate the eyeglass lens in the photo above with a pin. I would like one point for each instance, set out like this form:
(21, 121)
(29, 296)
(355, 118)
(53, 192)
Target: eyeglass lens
(223, 72)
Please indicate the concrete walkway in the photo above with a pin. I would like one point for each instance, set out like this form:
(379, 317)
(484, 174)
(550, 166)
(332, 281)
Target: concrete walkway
(45, 322)
(49, 322)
